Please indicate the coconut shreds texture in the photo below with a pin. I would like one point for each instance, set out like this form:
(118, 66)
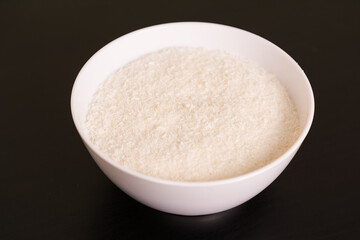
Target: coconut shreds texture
(190, 114)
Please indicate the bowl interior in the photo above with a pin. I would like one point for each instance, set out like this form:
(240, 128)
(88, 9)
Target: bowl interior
(207, 35)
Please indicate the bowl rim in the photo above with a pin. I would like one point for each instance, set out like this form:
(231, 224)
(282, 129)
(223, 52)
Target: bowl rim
(294, 147)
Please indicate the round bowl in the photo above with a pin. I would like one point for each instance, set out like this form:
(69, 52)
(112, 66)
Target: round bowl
(191, 198)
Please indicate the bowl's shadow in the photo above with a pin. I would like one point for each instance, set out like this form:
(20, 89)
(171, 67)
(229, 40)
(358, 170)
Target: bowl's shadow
(214, 225)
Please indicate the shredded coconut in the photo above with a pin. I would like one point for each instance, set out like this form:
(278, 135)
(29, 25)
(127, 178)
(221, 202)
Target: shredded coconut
(190, 114)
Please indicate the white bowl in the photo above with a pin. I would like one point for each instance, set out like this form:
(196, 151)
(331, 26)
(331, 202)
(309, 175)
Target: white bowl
(191, 198)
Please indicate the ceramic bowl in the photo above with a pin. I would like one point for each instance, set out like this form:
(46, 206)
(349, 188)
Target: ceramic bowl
(191, 198)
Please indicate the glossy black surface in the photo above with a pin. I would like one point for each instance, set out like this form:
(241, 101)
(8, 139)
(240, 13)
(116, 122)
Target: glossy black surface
(50, 188)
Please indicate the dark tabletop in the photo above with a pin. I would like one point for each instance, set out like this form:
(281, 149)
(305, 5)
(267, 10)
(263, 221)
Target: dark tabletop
(50, 188)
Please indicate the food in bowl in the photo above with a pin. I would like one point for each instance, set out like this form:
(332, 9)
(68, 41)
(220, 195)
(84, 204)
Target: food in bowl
(189, 197)
(192, 114)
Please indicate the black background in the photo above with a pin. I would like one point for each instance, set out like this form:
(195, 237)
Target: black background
(50, 188)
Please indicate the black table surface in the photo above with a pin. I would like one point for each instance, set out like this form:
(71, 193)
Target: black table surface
(52, 189)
